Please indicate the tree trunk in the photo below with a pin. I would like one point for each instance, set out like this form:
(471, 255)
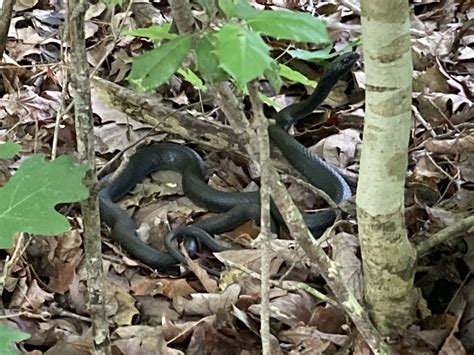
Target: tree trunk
(388, 256)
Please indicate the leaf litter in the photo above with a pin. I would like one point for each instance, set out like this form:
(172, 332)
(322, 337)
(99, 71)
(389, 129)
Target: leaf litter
(191, 313)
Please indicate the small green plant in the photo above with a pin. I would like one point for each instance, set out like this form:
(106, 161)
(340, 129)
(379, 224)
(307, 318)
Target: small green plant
(27, 200)
(233, 50)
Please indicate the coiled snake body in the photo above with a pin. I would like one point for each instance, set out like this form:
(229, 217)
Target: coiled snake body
(235, 207)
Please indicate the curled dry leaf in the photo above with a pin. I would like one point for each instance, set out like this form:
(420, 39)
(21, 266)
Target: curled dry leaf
(205, 304)
(291, 309)
(339, 149)
(36, 297)
(303, 333)
(120, 304)
(139, 339)
(145, 286)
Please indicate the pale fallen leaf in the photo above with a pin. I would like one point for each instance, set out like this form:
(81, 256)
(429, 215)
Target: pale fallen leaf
(204, 304)
(291, 309)
(36, 297)
(121, 305)
(302, 333)
(339, 149)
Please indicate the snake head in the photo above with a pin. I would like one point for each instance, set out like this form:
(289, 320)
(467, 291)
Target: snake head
(341, 65)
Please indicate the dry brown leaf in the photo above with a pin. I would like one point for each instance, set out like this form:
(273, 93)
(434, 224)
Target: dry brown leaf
(291, 309)
(143, 285)
(22, 5)
(120, 304)
(36, 297)
(156, 310)
(251, 259)
(302, 333)
(339, 149)
(140, 340)
(205, 304)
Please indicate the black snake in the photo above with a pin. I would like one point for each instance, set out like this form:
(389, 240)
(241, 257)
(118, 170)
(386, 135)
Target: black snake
(235, 207)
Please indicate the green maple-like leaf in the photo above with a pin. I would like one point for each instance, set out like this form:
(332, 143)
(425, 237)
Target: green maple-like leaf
(27, 201)
(8, 336)
(8, 149)
(296, 26)
(242, 53)
(207, 61)
(155, 67)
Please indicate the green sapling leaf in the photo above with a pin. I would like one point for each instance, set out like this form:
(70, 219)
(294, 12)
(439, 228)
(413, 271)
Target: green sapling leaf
(27, 200)
(8, 149)
(295, 76)
(296, 26)
(155, 33)
(207, 62)
(238, 8)
(189, 75)
(155, 67)
(242, 53)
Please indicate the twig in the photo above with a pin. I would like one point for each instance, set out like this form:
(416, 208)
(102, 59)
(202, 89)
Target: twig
(266, 236)
(420, 118)
(85, 145)
(286, 285)
(20, 247)
(313, 189)
(455, 230)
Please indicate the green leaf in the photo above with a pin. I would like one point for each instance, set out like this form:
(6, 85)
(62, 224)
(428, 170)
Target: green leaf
(27, 200)
(189, 75)
(295, 76)
(8, 149)
(207, 62)
(242, 53)
(265, 99)
(273, 76)
(322, 54)
(296, 26)
(9, 336)
(154, 32)
(155, 67)
(238, 8)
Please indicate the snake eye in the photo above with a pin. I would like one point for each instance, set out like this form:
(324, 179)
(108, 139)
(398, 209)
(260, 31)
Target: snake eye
(346, 60)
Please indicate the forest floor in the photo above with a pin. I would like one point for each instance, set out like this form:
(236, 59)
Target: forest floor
(46, 291)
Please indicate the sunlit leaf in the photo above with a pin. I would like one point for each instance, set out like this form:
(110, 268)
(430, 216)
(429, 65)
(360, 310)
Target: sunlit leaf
(27, 200)
(155, 67)
(8, 149)
(237, 8)
(242, 53)
(154, 32)
(9, 336)
(296, 26)
(295, 76)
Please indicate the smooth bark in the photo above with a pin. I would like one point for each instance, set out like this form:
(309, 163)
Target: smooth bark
(388, 257)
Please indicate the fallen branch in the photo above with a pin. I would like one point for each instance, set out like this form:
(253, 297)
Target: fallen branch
(453, 231)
